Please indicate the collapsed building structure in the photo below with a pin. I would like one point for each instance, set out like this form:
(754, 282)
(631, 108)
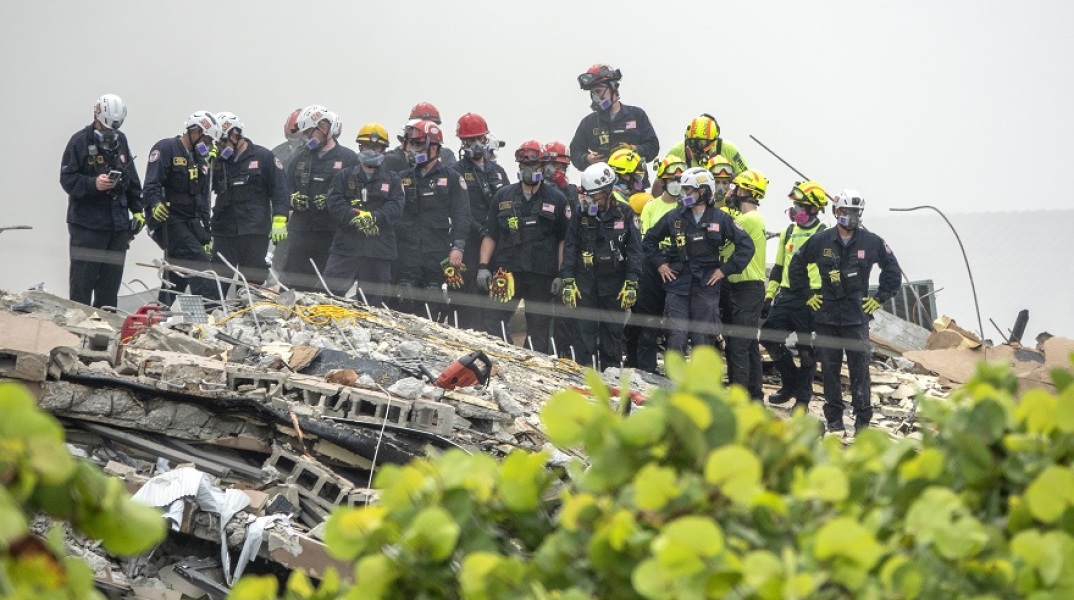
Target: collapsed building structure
(248, 426)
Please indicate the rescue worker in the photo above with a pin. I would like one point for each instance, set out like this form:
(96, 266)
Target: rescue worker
(251, 202)
(746, 289)
(431, 236)
(365, 201)
(554, 163)
(844, 256)
(522, 250)
(690, 267)
(602, 261)
(312, 169)
(292, 140)
(372, 136)
(612, 124)
(642, 331)
(630, 171)
(104, 204)
(788, 311)
(702, 141)
(396, 159)
(484, 177)
(722, 173)
(176, 192)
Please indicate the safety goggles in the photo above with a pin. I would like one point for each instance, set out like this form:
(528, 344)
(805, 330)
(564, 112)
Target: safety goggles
(588, 80)
(556, 158)
(722, 170)
(673, 172)
(527, 157)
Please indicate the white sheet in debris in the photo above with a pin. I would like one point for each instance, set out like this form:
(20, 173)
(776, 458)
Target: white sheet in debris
(168, 488)
(254, 536)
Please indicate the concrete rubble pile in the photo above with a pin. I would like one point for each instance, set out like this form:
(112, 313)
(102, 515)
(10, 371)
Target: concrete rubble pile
(249, 427)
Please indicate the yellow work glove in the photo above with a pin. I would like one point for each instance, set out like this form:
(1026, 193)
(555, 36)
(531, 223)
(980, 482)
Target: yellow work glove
(209, 248)
(452, 276)
(870, 305)
(814, 302)
(570, 294)
(137, 222)
(160, 212)
(320, 202)
(628, 296)
(502, 287)
(279, 229)
(300, 201)
(365, 222)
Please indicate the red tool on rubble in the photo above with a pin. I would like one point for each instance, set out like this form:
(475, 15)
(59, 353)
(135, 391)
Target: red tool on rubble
(473, 368)
(140, 321)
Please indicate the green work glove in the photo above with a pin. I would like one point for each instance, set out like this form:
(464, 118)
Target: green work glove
(137, 222)
(628, 296)
(320, 202)
(160, 212)
(209, 248)
(814, 302)
(452, 276)
(870, 305)
(365, 222)
(279, 229)
(570, 292)
(300, 201)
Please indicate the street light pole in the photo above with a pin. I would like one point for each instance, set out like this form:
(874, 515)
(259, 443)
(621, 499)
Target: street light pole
(973, 287)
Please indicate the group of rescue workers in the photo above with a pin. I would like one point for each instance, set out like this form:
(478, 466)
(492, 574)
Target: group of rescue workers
(606, 269)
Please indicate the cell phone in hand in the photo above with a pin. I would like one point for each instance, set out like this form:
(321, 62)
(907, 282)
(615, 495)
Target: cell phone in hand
(114, 175)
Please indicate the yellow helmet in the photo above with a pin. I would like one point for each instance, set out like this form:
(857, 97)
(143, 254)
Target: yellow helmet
(703, 127)
(671, 166)
(625, 161)
(809, 193)
(639, 200)
(373, 133)
(752, 181)
(720, 167)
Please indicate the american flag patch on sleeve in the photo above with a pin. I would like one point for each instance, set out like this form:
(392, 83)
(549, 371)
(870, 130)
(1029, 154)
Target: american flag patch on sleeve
(714, 227)
(384, 187)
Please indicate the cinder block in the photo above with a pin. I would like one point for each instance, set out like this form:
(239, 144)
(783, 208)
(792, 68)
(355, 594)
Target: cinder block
(241, 379)
(314, 392)
(436, 417)
(363, 405)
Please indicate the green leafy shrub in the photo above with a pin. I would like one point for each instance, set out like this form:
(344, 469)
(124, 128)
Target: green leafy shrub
(41, 477)
(704, 494)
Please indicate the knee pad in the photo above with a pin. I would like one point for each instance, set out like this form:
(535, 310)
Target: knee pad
(806, 357)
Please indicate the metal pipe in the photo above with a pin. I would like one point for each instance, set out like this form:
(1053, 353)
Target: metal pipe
(973, 286)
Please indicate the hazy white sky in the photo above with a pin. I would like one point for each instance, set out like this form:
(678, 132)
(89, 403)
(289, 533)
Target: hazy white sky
(966, 106)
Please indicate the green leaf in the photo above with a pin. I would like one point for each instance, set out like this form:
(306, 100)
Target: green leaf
(845, 538)
(1064, 412)
(642, 428)
(704, 370)
(374, 576)
(927, 465)
(760, 567)
(694, 407)
(50, 459)
(567, 417)
(1050, 494)
(736, 470)
(655, 486)
(475, 573)
(684, 543)
(433, 533)
(254, 587)
(522, 480)
(1037, 409)
(1042, 552)
(938, 517)
(13, 523)
(348, 529)
(650, 579)
(824, 482)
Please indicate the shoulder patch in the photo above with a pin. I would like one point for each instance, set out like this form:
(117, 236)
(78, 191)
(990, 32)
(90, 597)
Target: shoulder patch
(154, 156)
(567, 211)
(887, 248)
(462, 183)
(279, 165)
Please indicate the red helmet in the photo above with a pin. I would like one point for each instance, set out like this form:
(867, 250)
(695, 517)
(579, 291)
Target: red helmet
(555, 152)
(599, 74)
(290, 128)
(529, 151)
(425, 132)
(471, 125)
(425, 111)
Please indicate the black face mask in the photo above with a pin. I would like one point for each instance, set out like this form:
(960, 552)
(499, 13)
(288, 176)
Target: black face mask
(475, 151)
(529, 175)
(109, 139)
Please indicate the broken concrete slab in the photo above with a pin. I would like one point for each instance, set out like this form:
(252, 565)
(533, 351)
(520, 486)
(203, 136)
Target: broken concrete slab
(26, 345)
(893, 336)
(958, 365)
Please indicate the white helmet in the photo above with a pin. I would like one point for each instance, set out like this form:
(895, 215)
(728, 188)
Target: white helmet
(698, 177)
(597, 177)
(313, 115)
(206, 121)
(228, 121)
(849, 199)
(110, 111)
(337, 124)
